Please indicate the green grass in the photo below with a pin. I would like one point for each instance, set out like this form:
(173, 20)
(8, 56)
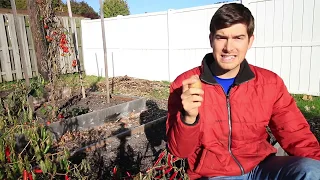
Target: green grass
(71, 80)
(165, 82)
(12, 84)
(160, 94)
(310, 109)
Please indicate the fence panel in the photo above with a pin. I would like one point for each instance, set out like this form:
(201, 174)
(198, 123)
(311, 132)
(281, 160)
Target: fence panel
(11, 65)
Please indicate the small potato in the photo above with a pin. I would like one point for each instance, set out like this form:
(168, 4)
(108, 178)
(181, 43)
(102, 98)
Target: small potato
(196, 85)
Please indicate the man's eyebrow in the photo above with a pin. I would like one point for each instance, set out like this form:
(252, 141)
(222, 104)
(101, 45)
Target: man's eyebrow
(241, 35)
(220, 35)
(224, 36)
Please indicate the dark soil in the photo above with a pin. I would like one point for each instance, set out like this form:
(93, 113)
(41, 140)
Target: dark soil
(77, 139)
(93, 101)
(315, 126)
(77, 105)
(132, 154)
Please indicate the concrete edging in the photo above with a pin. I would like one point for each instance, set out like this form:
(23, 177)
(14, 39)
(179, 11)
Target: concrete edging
(132, 131)
(96, 118)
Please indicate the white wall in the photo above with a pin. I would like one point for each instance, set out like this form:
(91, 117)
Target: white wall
(160, 46)
(136, 46)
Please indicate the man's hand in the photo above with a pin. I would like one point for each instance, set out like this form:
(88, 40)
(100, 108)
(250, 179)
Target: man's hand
(191, 98)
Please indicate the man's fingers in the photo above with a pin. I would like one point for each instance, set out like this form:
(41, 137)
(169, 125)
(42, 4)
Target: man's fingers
(187, 82)
(192, 98)
(192, 91)
(195, 105)
(191, 106)
(191, 102)
(190, 80)
(196, 91)
(185, 87)
(196, 98)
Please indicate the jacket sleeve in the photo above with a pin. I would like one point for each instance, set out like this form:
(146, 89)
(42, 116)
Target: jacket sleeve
(182, 138)
(290, 127)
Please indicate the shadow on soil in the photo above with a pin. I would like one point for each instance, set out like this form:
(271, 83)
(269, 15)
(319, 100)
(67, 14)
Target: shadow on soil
(155, 134)
(132, 154)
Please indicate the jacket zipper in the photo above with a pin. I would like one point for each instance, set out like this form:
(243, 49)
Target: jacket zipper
(230, 126)
(230, 134)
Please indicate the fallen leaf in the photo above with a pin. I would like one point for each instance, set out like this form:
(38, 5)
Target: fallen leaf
(305, 98)
(307, 108)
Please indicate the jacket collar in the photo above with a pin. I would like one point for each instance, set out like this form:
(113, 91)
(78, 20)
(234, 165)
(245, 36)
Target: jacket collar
(245, 73)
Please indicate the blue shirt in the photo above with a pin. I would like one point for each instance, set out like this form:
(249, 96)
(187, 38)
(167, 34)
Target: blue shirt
(225, 83)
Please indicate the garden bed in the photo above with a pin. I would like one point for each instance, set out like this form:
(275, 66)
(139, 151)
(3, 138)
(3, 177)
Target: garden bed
(76, 105)
(116, 123)
(129, 135)
(130, 142)
(132, 151)
(98, 118)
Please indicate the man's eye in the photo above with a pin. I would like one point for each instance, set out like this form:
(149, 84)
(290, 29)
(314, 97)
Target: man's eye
(219, 37)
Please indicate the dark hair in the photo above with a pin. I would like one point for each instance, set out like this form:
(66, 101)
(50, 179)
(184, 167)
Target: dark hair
(230, 14)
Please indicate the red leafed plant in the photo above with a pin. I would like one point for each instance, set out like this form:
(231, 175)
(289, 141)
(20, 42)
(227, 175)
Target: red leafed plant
(166, 167)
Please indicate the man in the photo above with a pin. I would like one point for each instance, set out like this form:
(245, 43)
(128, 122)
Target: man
(221, 127)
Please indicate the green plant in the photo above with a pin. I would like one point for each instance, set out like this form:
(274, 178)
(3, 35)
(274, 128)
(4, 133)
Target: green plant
(37, 87)
(27, 148)
(113, 8)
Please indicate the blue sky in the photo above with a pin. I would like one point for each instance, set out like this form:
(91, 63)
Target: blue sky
(142, 6)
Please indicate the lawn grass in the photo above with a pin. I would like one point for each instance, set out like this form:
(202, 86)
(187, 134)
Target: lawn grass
(72, 80)
(309, 108)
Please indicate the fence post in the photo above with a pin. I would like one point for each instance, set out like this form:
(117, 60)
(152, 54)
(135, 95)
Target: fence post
(169, 13)
(6, 64)
(104, 49)
(15, 47)
(24, 44)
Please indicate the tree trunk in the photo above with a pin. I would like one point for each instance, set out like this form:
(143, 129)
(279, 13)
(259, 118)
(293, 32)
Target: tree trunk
(38, 35)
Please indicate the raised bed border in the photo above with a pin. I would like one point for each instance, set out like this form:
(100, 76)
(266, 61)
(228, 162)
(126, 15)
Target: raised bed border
(97, 118)
(131, 131)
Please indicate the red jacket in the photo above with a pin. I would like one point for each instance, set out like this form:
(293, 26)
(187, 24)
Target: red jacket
(229, 137)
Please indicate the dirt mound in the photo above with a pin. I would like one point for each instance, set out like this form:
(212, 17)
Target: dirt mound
(136, 87)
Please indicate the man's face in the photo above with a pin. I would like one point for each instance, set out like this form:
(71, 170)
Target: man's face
(230, 46)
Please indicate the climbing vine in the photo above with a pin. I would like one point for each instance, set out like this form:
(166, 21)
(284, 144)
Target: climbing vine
(58, 41)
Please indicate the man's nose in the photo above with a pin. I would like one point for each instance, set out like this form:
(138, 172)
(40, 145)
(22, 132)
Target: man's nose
(228, 45)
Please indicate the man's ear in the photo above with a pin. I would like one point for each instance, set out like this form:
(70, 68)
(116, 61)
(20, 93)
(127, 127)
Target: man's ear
(251, 39)
(211, 39)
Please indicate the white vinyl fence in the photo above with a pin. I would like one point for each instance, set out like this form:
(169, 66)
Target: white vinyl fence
(160, 46)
